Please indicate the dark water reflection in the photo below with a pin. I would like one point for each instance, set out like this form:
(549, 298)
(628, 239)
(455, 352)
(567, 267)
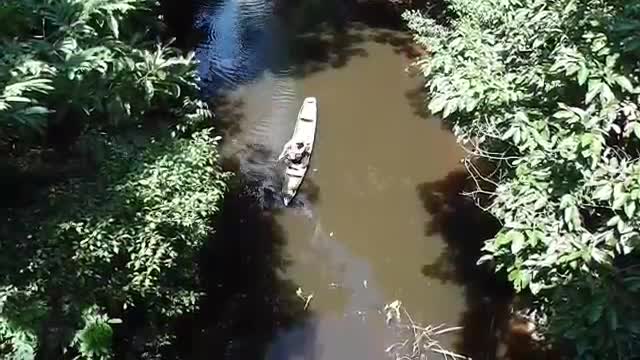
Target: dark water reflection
(487, 300)
(358, 235)
(248, 300)
(240, 42)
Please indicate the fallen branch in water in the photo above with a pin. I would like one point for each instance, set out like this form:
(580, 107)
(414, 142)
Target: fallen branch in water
(306, 298)
(420, 340)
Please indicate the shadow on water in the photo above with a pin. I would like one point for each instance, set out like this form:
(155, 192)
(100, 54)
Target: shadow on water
(178, 16)
(328, 48)
(380, 14)
(305, 37)
(417, 100)
(464, 227)
(332, 32)
(319, 51)
(401, 43)
(248, 299)
(489, 331)
(229, 114)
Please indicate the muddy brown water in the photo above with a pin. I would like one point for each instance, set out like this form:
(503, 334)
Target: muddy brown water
(378, 218)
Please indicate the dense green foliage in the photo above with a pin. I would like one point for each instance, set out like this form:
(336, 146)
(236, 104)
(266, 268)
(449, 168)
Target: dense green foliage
(113, 221)
(548, 92)
(128, 238)
(86, 60)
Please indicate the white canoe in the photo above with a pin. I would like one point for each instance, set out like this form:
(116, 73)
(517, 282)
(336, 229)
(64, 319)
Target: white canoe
(304, 131)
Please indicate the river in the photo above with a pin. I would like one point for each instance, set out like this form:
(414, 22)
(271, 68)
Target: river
(379, 216)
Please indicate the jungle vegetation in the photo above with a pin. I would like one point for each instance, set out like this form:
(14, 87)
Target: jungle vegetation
(547, 93)
(110, 179)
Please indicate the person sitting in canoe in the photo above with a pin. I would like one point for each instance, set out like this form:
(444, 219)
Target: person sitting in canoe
(296, 153)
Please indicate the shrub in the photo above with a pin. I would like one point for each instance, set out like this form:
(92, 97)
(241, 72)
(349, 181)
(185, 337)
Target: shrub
(94, 339)
(126, 239)
(548, 92)
(88, 62)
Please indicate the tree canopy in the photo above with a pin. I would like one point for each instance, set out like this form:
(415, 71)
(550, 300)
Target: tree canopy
(112, 169)
(548, 93)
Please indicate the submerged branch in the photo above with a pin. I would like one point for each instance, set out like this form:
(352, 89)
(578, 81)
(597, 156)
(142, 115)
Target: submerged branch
(419, 340)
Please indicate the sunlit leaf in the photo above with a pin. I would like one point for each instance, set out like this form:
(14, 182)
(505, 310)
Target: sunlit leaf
(517, 242)
(630, 209)
(604, 192)
(113, 25)
(451, 106)
(613, 221)
(624, 83)
(437, 104)
(564, 114)
(595, 87)
(509, 133)
(583, 74)
(606, 94)
(484, 258)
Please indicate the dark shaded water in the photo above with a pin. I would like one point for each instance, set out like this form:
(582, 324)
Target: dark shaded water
(379, 216)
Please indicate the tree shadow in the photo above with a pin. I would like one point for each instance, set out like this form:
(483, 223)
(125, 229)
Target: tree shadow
(332, 31)
(336, 31)
(297, 342)
(402, 43)
(417, 100)
(319, 35)
(318, 51)
(382, 14)
(489, 332)
(327, 48)
(229, 114)
(248, 300)
(178, 17)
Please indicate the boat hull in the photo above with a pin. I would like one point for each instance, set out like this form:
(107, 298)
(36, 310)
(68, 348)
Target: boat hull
(304, 131)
